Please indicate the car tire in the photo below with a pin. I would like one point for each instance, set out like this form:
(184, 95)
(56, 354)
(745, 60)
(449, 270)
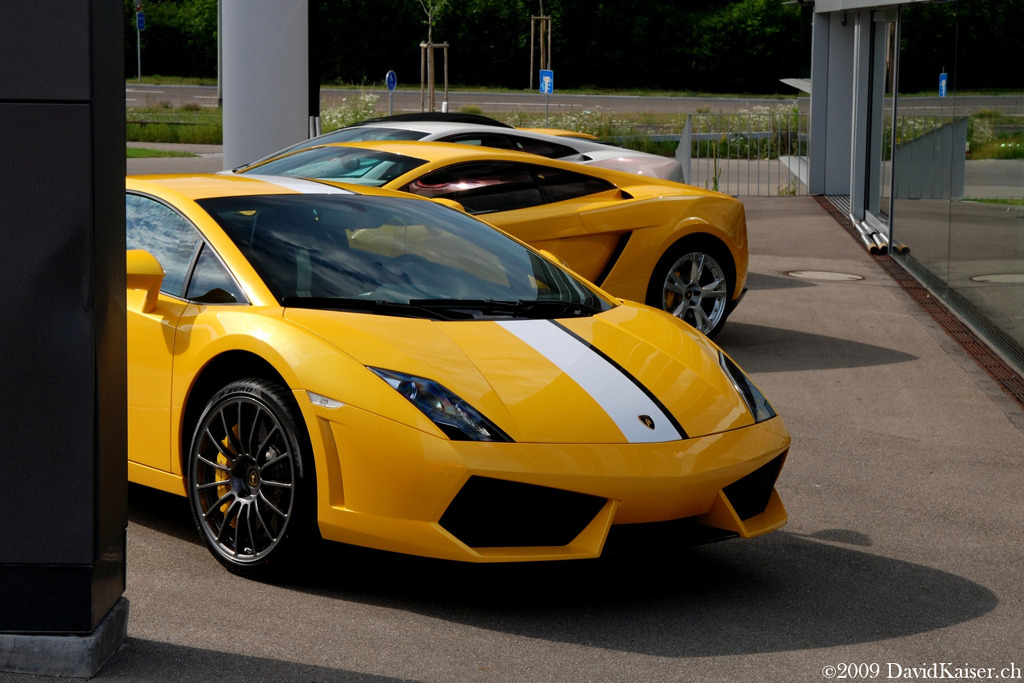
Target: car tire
(249, 482)
(694, 281)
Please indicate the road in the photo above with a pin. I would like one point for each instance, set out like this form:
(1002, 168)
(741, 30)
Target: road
(140, 95)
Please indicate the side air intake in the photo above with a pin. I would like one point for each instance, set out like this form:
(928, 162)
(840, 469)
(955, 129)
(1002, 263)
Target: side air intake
(749, 495)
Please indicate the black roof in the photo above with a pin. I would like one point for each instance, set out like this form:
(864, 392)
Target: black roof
(449, 117)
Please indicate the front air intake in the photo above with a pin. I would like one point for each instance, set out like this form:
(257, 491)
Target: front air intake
(494, 513)
(749, 495)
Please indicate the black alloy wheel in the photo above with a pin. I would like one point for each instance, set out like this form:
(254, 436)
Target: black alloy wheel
(248, 482)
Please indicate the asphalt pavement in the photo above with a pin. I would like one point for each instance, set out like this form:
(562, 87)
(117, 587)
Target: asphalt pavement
(901, 558)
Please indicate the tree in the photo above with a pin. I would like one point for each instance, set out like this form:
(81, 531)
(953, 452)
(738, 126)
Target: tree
(433, 9)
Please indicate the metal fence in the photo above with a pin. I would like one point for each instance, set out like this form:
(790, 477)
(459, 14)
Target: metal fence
(758, 153)
(747, 153)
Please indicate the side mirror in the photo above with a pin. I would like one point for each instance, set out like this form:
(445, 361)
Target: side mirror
(557, 259)
(144, 272)
(450, 203)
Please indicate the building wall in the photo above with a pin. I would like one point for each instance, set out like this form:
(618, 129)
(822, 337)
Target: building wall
(944, 174)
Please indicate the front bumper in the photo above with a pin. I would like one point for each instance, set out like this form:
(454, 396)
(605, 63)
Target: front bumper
(387, 486)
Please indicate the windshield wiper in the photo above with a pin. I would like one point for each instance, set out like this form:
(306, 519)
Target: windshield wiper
(540, 308)
(376, 306)
(448, 309)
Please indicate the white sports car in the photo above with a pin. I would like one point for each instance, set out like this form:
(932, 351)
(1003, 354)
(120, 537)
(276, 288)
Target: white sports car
(480, 131)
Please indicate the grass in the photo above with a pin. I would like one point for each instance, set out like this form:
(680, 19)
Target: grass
(174, 132)
(999, 149)
(163, 122)
(1001, 202)
(146, 153)
(170, 80)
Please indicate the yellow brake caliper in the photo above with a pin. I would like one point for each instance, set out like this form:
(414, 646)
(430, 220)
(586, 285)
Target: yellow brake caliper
(222, 475)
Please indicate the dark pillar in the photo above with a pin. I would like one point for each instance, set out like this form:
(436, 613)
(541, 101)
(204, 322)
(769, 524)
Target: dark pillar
(62, 370)
(313, 11)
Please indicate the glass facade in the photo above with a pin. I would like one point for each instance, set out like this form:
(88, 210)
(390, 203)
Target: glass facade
(954, 153)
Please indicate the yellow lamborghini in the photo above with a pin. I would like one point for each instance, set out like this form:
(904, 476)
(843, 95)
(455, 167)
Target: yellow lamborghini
(310, 361)
(670, 245)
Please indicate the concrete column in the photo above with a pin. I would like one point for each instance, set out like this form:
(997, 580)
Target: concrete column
(832, 65)
(62, 325)
(266, 77)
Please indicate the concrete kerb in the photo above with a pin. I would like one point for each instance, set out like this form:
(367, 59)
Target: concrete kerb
(76, 656)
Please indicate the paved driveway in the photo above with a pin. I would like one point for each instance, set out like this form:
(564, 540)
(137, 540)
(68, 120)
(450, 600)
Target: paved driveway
(903, 547)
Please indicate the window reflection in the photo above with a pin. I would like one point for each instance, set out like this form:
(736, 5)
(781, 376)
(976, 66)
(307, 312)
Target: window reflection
(958, 180)
(164, 233)
(211, 283)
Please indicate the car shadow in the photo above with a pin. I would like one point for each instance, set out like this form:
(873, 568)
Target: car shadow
(761, 281)
(148, 660)
(760, 348)
(778, 593)
(162, 512)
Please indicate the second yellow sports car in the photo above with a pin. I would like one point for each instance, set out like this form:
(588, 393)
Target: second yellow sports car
(669, 245)
(307, 361)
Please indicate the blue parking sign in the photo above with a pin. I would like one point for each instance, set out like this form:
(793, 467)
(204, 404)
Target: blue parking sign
(547, 81)
(140, 20)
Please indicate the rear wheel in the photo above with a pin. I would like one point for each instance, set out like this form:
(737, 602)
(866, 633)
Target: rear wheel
(693, 282)
(248, 485)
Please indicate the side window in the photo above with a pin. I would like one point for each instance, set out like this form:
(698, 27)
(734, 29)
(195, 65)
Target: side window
(559, 185)
(211, 283)
(481, 187)
(481, 140)
(164, 233)
(544, 148)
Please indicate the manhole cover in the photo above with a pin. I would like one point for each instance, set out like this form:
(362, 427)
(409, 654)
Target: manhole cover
(1001, 278)
(823, 275)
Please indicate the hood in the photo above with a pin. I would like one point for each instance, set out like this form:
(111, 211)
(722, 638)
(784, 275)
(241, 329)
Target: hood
(629, 375)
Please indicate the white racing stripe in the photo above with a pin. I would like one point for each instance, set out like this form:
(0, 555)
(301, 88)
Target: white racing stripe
(298, 184)
(606, 383)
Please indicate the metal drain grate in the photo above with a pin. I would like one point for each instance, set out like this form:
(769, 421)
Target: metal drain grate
(987, 359)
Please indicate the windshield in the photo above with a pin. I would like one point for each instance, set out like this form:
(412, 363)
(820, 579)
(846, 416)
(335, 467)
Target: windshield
(346, 164)
(352, 134)
(395, 256)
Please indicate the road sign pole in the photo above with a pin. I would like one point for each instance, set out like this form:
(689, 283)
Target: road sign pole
(140, 23)
(391, 80)
(547, 86)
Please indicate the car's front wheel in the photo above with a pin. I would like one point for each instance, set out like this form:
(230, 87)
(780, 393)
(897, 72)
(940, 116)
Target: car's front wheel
(248, 482)
(694, 283)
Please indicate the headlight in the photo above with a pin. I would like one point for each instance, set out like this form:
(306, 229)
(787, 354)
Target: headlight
(453, 416)
(759, 406)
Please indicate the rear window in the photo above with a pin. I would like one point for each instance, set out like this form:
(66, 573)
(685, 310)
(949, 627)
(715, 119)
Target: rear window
(490, 187)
